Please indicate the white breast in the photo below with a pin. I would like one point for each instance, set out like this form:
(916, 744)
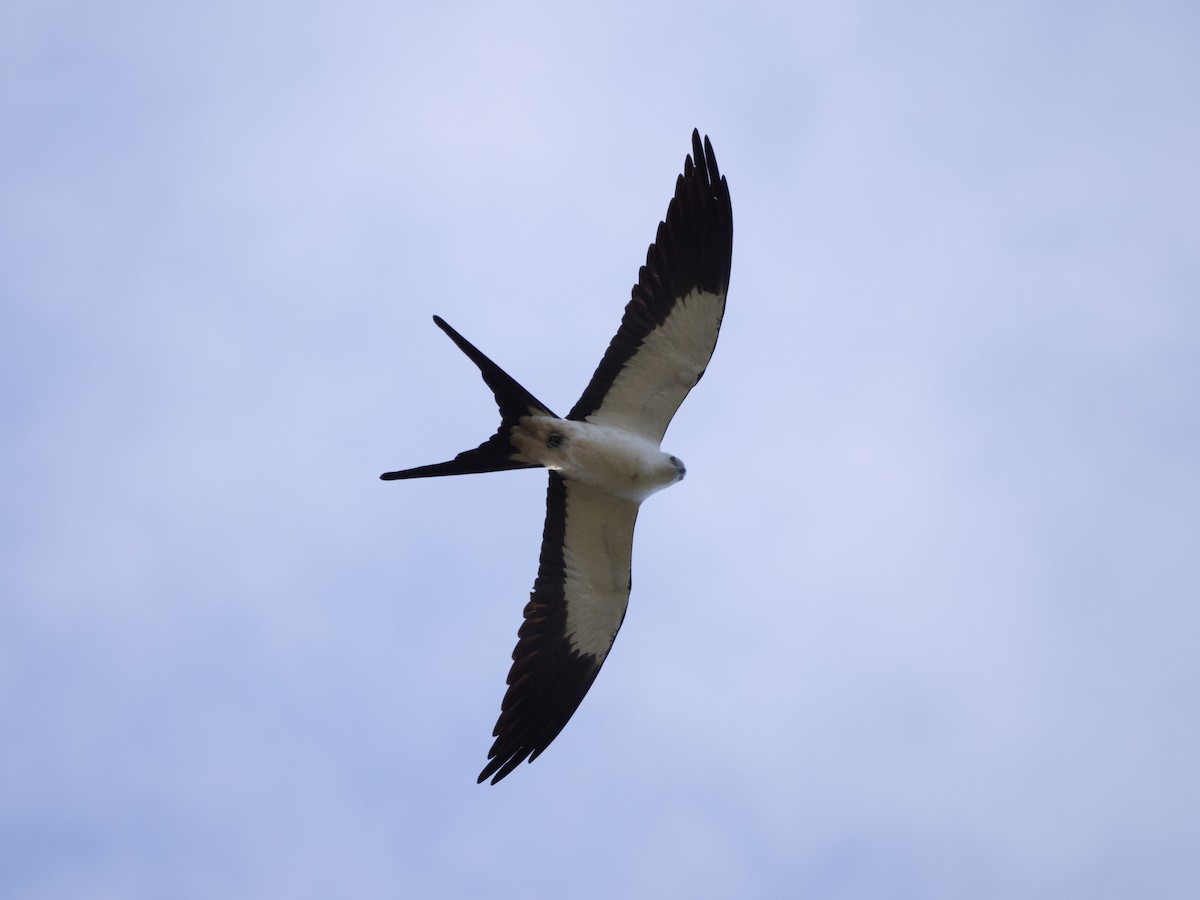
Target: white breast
(610, 460)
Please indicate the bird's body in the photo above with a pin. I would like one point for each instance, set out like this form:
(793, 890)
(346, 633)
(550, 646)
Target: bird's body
(610, 460)
(604, 459)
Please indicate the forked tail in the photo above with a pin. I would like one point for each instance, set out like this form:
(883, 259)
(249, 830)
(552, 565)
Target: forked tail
(497, 453)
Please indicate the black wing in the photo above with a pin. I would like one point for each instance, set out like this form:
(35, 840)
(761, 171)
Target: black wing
(670, 326)
(573, 615)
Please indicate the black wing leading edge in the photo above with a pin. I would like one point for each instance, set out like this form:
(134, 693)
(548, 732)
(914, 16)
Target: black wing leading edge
(548, 678)
(670, 325)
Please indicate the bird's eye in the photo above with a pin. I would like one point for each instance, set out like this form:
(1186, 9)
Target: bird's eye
(555, 440)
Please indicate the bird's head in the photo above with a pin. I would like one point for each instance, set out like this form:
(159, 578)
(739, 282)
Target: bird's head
(680, 468)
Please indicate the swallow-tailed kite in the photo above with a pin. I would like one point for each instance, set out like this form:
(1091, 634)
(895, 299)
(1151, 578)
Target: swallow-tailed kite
(604, 459)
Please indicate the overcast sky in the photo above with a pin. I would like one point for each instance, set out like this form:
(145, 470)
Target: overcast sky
(923, 620)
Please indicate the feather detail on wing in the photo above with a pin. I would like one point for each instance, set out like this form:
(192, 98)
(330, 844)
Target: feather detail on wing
(573, 615)
(670, 326)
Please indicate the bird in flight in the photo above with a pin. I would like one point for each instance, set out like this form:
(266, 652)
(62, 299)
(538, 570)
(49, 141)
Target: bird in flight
(604, 460)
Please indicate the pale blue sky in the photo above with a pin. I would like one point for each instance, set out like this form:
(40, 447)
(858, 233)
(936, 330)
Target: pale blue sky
(922, 620)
